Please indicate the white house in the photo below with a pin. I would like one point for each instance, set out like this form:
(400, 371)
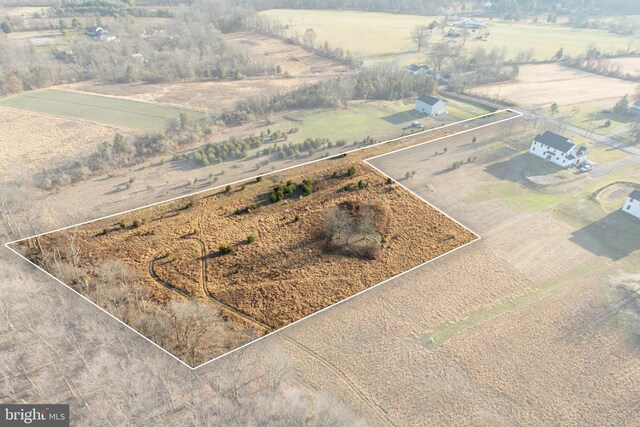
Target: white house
(558, 149)
(430, 105)
(635, 108)
(632, 206)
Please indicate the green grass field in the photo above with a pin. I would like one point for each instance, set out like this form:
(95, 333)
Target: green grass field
(378, 119)
(101, 109)
(383, 36)
(591, 116)
(545, 40)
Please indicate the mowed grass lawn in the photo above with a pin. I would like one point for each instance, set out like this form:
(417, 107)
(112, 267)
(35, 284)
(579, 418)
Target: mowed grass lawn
(374, 36)
(378, 119)
(101, 109)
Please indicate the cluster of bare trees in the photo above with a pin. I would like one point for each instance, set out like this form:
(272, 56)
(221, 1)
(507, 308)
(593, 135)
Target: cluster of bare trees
(354, 229)
(190, 329)
(57, 348)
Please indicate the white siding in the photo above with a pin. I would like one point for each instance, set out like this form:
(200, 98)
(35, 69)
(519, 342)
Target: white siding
(632, 207)
(429, 110)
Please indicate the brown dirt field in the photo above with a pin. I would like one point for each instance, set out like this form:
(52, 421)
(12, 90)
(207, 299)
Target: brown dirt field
(293, 59)
(540, 85)
(286, 274)
(35, 141)
(629, 65)
(204, 96)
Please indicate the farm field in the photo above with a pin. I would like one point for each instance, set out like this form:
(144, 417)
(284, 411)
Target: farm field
(629, 65)
(353, 30)
(100, 109)
(54, 140)
(538, 86)
(203, 96)
(292, 59)
(269, 282)
(392, 34)
(43, 38)
(545, 40)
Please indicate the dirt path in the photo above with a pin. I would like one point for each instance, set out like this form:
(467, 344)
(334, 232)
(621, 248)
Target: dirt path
(224, 307)
(374, 409)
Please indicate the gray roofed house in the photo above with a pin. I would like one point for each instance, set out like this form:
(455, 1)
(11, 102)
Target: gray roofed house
(430, 105)
(553, 140)
(558, 149)
(419, 69)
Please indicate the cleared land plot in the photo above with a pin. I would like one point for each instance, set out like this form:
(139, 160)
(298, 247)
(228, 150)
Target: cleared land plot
(42, 38)
(374, 36)
(291, 58)
(629, 65)
(107, 110)
(31, 141)
(353, 231)
(540, 85)
(212, 96)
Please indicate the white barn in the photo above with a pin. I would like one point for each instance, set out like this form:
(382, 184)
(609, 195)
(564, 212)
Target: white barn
(632, 206)
(558, 149)
(430, 105)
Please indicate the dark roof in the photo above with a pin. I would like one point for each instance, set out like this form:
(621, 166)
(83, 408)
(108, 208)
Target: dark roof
(428, 99)
(414, 67)
(635, 194)
(554, 140)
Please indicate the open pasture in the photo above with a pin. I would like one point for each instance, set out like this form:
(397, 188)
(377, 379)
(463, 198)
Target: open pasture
(99, 109)
(540, 85)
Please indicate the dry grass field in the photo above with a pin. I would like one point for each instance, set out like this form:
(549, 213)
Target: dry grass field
(292, 59)
(205, 96)
(539, 86)
(28, 148)
(630, 65)
(305, 253)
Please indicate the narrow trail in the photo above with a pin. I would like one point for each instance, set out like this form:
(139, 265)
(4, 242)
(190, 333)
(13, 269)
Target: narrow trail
(375, 409)
(203, 277)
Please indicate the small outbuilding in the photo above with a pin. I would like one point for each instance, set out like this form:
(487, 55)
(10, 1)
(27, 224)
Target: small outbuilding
(632, 206)
(421, 69)
(559, 150)
(430, 105)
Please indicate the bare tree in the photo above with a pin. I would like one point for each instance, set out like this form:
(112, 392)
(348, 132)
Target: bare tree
(420, 36)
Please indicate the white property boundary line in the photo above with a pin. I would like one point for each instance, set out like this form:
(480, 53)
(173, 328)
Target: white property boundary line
(366, 161)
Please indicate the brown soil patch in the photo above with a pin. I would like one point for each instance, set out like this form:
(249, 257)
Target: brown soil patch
(287, 273)
(540, 85)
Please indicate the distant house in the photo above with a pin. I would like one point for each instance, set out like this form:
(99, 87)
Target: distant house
(558, 149)
(419, 69)
(430, 105)
(474, 24)
(632, 206)
(635, 108)
(96, 32)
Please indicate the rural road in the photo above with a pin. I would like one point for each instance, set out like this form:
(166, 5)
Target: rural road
(413, 48)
